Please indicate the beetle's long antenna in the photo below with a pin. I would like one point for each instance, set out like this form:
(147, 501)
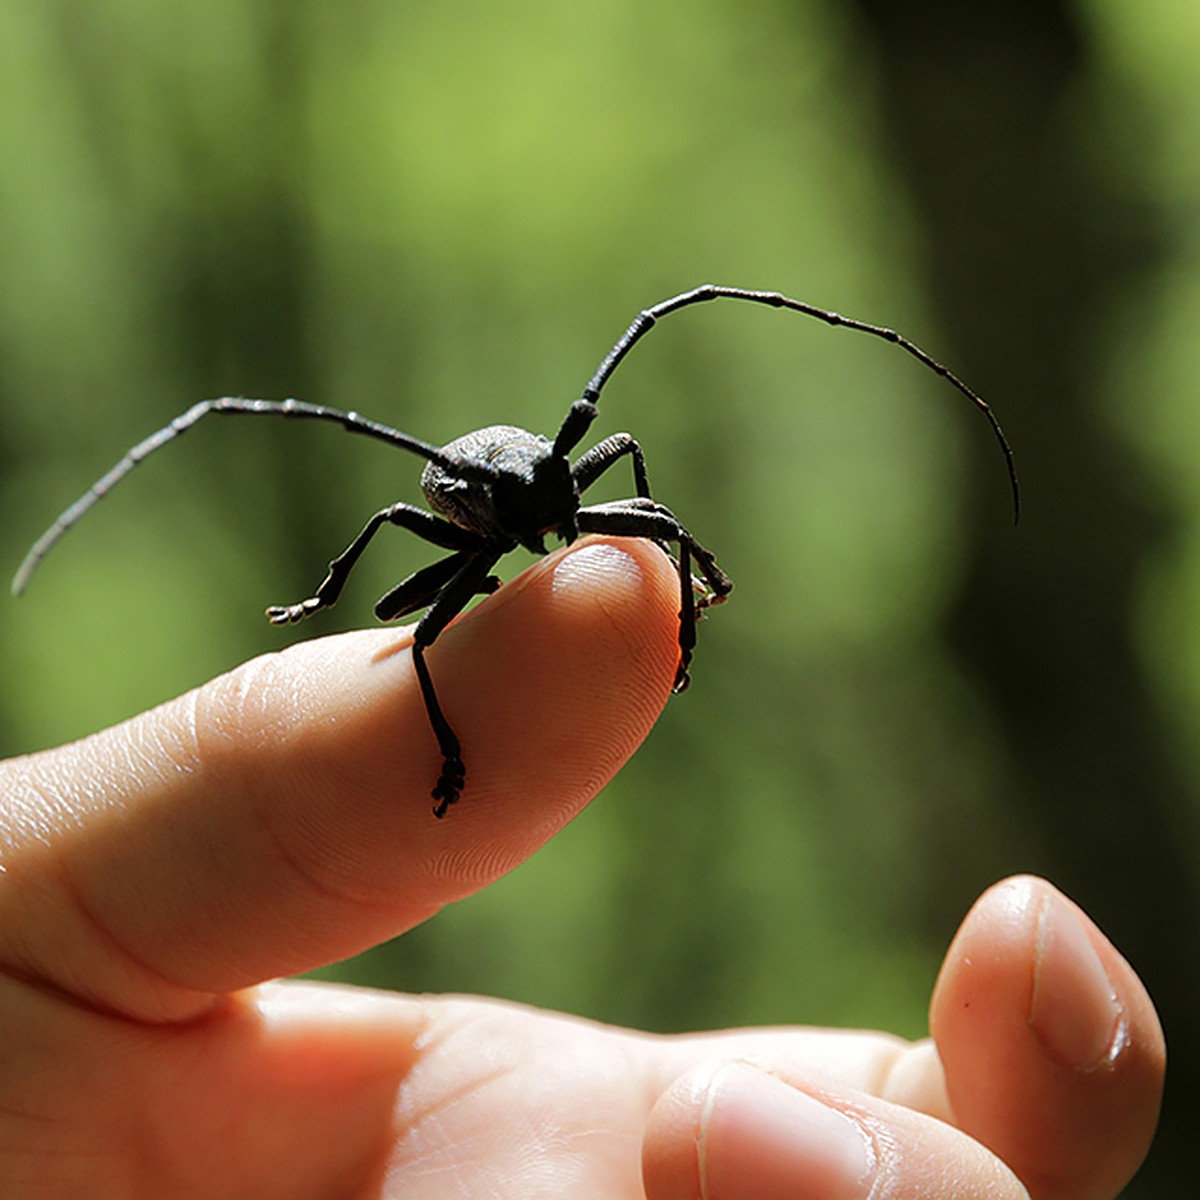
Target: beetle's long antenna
(298, 409)
(583, 410)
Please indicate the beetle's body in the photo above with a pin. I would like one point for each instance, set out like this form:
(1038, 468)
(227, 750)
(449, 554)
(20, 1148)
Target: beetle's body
(533, 494)
(493, 490)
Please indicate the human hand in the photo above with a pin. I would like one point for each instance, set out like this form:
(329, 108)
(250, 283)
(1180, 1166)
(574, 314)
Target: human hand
(155, 874)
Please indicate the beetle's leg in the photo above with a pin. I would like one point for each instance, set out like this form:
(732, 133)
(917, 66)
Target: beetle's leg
(421, 587)
(642, 517)
(590, 466)
(472, 577)
(687, 618)
(416, 520)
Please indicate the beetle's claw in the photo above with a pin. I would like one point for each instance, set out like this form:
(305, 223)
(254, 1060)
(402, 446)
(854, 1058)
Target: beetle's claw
(289, 614)
(711, 600)
(682, 679)
(449, 785)
(710, 594)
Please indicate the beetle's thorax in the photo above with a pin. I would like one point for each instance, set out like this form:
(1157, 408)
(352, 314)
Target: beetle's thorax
(523, 491)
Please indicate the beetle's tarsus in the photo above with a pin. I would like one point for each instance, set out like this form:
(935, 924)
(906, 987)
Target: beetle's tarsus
(449, 785)
(711, 599)
(289, 614)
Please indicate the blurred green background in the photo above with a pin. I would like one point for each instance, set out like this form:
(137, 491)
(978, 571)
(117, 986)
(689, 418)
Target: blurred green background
(442, 216)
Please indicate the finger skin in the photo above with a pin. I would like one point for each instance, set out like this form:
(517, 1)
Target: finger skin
(1053, 1060)
(280, 817)
(301, 1089)
(1045, 1077)
(284, 1092)
(734, 1131)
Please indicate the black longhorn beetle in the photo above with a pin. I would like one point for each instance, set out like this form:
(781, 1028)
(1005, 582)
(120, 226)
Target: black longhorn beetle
(499, 488)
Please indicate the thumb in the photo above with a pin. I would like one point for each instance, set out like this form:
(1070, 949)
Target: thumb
(1053, 1053)
(280, 816)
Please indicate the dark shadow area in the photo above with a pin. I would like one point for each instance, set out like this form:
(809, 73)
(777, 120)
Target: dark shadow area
(1027, 245)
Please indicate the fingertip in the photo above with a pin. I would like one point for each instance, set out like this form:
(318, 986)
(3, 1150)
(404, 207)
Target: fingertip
(556, 680)
(550, 684)
(280, 817)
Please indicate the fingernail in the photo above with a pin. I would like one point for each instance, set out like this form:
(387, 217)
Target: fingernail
(763, 1140)
(1074, 1009)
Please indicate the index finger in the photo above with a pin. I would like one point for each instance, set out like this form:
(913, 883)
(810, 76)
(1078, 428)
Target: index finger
(280, 817)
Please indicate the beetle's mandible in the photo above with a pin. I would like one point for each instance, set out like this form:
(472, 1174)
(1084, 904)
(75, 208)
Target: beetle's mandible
(499, 488)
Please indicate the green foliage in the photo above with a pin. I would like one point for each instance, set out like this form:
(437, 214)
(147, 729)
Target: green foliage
(442, 216)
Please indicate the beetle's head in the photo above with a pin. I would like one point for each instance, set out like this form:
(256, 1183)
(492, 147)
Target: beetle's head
(535, 497)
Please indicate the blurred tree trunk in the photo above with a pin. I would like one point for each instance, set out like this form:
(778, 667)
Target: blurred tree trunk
(1027, 245)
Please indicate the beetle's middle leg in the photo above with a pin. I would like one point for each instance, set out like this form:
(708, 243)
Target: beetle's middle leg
(421, 588)
(472, 578)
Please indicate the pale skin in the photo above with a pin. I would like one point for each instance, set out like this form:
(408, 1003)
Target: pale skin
(158, 875)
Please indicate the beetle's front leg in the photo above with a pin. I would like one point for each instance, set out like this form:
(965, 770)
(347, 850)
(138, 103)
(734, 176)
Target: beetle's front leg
(642, 517)
(416, 520)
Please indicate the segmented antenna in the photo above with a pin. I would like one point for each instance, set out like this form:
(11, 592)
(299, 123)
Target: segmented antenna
(646, 320)
(579, 416)
(227, 405)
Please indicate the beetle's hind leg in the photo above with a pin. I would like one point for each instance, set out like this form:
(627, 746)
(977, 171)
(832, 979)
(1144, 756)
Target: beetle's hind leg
(643, 517)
